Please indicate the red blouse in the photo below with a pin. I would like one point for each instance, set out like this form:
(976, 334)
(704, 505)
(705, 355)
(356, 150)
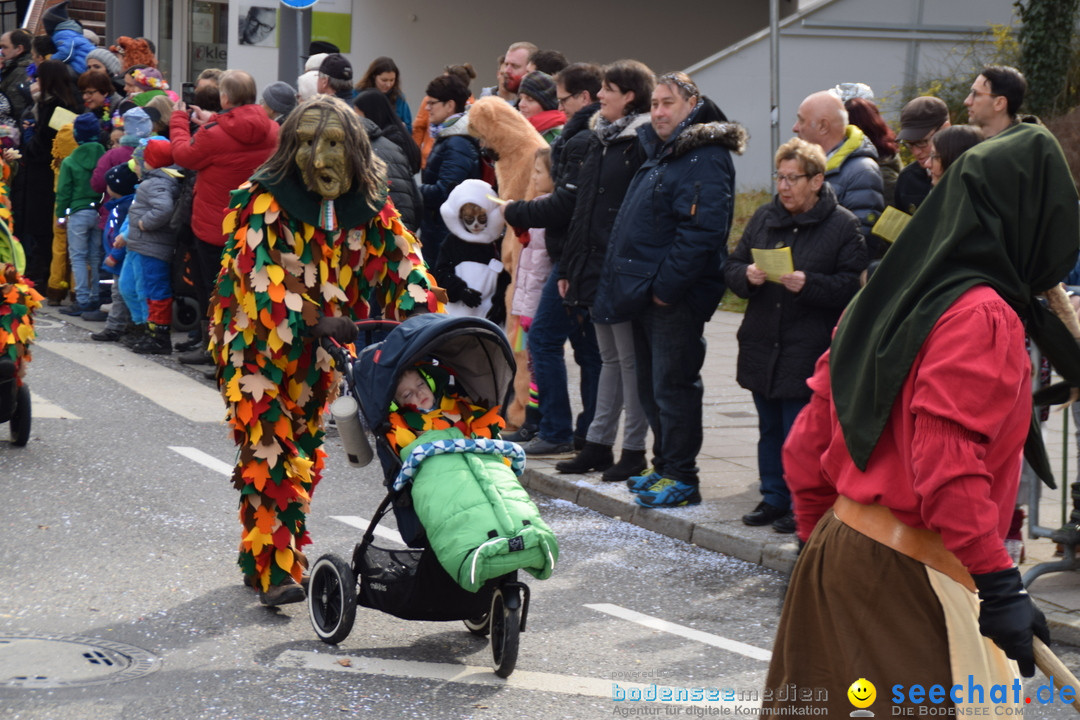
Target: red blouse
(949, 457)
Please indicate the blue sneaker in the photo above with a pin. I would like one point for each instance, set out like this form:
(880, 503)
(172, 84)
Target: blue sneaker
(669, 493)
(644, 481)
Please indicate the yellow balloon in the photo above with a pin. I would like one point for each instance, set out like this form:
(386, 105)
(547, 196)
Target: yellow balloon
(862, 693)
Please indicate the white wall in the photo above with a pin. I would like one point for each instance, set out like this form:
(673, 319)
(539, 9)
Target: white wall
(815, 58)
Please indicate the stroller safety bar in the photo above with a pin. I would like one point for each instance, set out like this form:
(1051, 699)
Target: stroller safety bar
(481, 446)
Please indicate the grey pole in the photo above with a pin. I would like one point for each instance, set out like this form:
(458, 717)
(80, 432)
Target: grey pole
(774, 75)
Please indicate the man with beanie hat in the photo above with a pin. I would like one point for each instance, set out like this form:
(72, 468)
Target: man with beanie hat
(120, 181)
(77, 207)
(335, 77)
(151, 244)
(15, 48)
(72, 47)
(279, 98)
(920, 120)
(538, 102)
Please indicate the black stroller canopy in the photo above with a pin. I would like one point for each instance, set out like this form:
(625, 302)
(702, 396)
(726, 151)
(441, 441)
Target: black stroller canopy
(475, 349)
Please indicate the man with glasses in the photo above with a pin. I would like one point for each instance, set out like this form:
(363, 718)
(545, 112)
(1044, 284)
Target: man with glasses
(920, 120)
(552, 431)
(995, 98)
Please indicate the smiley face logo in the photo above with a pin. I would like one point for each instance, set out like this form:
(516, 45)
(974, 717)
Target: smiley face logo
(862, 693)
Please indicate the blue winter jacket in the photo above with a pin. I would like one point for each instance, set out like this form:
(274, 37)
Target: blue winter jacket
(670, 236)
(454, 157)
(72, 47)
(855, 176)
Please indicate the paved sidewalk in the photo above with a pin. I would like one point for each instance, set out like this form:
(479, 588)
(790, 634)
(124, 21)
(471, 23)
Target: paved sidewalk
(728, 463)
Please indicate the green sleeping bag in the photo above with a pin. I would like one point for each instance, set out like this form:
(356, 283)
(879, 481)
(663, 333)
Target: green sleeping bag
(480, 521)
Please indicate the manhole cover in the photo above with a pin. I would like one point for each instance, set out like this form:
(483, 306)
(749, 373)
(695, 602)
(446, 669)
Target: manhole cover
(56, 661)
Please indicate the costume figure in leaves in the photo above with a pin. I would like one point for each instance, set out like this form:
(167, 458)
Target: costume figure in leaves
(18, 298)
(313, 244)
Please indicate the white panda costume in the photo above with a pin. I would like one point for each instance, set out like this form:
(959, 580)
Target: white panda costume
(468, 266)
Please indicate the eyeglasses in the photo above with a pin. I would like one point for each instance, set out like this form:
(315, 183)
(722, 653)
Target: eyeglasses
(788, 180)
(917, 144)
(91, 91)
(934, 156)
(430, 103)
(976, 93)
(565, 98)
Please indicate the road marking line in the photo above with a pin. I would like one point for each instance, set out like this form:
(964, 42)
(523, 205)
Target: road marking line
(168, 388)
(42, 408)
(469, 675)
(362, 523)
(681, 630)
(204, 459)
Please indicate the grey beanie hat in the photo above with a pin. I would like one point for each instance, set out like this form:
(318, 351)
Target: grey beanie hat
(106, 58)
(280, 97)
(137, 123)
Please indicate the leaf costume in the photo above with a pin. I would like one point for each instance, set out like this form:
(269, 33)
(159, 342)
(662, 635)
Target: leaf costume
(290, 258)
(18, 298)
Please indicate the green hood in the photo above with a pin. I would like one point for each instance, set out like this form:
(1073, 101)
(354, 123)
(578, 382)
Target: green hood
(1004, 215)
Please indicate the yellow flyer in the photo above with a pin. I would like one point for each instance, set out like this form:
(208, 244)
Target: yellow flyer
(775, 263)
(61, 116)
(891, 223)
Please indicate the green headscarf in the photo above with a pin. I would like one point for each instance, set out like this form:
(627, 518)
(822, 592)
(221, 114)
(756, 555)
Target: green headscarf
(1004, 215)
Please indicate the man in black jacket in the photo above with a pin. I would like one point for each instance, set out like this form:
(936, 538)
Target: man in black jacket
(554, 323)
(664, 270)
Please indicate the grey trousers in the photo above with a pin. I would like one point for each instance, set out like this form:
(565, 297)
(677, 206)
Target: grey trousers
(617, 389)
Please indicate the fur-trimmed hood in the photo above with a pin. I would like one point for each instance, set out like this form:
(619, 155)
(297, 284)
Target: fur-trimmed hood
(730, 135)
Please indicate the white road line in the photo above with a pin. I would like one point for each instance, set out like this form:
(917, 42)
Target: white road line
(207, 460)
(171, 390)
(42, 408)
(204, 459)
(474, 675)
(362, 523)
(681, 630)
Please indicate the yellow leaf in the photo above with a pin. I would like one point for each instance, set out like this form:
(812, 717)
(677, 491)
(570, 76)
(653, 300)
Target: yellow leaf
(262, 203)
(276, 273)
(273, 340)
(344, 276)
(25, 332)
(228, 223)
(232, 389)
(284, 559)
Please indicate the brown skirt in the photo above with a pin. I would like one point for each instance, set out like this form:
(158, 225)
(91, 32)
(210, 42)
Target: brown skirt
(856, 609)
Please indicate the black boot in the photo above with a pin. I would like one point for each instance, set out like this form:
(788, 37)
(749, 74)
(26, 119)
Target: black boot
(155, 342)
(198, 354)
(134, 334)
(592, 457)
(631, 462)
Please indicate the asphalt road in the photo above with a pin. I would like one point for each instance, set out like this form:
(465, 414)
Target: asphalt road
(118, 524)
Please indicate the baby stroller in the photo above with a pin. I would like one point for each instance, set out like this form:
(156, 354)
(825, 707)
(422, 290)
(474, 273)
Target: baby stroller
(411, 583)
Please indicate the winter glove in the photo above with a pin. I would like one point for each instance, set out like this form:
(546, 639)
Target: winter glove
(1009, 617)
(471, 298)
(341, 329)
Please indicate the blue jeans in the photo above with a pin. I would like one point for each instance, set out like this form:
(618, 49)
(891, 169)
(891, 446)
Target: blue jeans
(554, 324)
(130, 276)
(775, 418)
(669, 349)
(85, 252)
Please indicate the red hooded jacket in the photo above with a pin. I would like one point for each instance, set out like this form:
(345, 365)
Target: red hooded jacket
(225, 152)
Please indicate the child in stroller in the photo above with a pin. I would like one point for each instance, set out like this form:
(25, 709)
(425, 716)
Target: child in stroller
(453, 486)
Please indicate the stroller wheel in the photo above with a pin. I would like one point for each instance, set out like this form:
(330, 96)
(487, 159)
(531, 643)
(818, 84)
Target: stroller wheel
(505, 625)
(20, 418)
(479, 625)
(186, 314)
(332, 598)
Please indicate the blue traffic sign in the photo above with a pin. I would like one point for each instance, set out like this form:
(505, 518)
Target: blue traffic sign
(298, 4)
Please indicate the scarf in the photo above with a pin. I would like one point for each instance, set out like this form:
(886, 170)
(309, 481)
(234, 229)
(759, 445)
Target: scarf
(1004, 215)
(607, 130)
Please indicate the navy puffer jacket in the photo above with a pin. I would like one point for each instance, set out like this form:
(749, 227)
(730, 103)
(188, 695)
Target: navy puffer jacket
(670, 235)
(454, 157)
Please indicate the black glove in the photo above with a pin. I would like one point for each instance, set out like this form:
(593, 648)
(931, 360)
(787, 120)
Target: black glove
(1009, 617)
(471, 297)
(341, 329)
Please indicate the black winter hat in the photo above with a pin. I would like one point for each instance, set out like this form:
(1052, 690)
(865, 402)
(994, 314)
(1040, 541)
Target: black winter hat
(541, 88)
(54, 16)
(121, 179)
(321, 46)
